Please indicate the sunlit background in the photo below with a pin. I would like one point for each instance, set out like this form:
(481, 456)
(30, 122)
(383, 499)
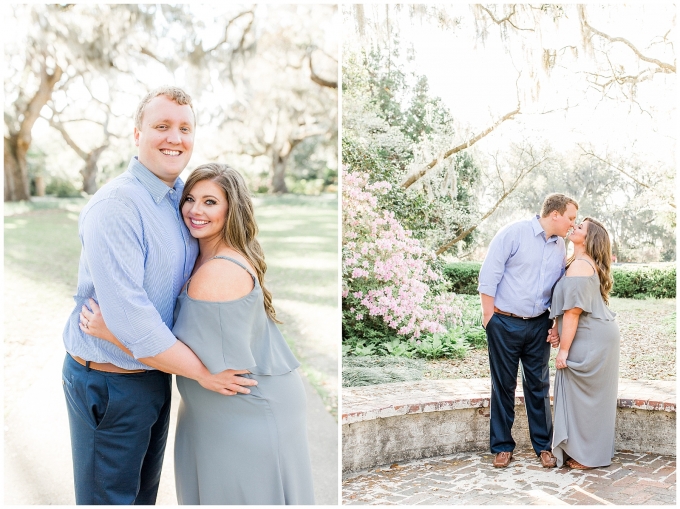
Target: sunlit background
(263, 79)
(579, 99)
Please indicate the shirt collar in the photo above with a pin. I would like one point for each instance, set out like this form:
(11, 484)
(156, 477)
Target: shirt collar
(538, 230)
(156, 187)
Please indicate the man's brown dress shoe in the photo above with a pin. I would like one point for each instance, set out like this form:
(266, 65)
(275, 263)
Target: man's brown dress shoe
(502, 459)
(548, 459)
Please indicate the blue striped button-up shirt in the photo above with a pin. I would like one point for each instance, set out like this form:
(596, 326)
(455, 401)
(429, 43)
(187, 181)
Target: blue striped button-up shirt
(522, 267)
(136, 256)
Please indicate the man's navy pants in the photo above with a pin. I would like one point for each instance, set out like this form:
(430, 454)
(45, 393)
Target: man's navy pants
(510, 340)
(119, 426)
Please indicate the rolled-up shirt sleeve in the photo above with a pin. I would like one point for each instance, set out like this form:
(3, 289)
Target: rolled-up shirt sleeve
(113, 246)
(493, 268)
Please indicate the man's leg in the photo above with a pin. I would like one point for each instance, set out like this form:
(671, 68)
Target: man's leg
(111, 417)
(536, 383)
(504, 339)
(153, 461)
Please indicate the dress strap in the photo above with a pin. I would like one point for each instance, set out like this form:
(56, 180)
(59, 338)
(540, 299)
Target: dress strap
(587, 263)
(237, 263)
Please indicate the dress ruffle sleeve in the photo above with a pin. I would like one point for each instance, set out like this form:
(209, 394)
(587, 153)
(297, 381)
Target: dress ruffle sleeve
(580, 292)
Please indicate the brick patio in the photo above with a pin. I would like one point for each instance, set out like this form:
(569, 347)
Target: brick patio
(469, 478)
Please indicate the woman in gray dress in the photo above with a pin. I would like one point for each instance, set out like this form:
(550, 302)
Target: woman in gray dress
(246, 448)
(586, 383)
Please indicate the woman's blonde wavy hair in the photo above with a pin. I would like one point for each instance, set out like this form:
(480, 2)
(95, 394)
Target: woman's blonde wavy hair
(598, 246)
(240, 228)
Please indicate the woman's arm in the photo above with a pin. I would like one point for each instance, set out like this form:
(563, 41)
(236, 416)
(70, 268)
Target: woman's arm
(179, 359)
(569, 326)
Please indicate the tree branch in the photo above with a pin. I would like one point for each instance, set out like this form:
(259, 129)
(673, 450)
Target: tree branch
(226, 29)
(592, 154)
(506, 19)
(67, 138)
(32, 112)
(507, 193)
(420, 173)
(668, 68)
(318, 79)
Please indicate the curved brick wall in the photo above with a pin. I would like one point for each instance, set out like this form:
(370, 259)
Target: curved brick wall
(382, 424)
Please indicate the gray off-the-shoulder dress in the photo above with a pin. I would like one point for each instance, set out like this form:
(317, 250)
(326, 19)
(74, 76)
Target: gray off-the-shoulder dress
(249, 448)
(585, 392)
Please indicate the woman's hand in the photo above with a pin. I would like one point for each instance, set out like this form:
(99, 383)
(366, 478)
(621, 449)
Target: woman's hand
(561, 359)
(92, 323)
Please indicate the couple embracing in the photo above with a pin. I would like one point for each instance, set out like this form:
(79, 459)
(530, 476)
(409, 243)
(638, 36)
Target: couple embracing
(171, 281)
(532, 298)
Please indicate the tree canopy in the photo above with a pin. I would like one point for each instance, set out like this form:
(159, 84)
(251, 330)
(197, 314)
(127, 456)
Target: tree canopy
(263, 79)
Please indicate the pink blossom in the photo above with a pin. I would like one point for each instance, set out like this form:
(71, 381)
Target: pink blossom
(386, 271)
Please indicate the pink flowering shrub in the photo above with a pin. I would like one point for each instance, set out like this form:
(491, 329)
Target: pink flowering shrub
(387, 274)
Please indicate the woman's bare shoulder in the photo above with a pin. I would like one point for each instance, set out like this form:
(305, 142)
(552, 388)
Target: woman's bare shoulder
(220, 280)
(580, 268)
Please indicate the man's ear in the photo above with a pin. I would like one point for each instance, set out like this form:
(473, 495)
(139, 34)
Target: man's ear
(136, 134)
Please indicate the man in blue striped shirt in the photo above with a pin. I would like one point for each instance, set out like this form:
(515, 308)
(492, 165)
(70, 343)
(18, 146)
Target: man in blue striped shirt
(136, 256)
(524, 262)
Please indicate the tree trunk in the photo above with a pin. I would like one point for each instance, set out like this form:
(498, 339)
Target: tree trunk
(16, 170)
(40, 185)
(16, 146)
(278, 184)
(89, 172)
(280, 155)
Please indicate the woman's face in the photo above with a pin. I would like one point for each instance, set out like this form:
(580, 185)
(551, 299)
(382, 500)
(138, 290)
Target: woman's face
(578, 236)
(205, 210)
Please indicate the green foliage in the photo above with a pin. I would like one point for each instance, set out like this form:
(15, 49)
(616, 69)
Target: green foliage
(370, 337)
(358, 333)
(450, 344)
(471, 321)
(61, 188)
(644, 282)
(372, 370)
(463, 277)
(475, 336)
(390, 117)
(308, 171)
(409, 208)
(398, 348)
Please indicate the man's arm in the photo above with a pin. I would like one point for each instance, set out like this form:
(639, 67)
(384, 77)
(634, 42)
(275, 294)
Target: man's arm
(491, 273)
(113, 246)
(487, 308)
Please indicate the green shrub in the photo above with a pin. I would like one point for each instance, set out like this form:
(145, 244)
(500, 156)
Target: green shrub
(449, 344)
(628, 283)
(475, 336)
(61, 188)
(644, 282)
(463, 277)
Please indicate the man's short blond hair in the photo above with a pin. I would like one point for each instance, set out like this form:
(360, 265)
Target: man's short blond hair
(558, 202)
(174, 93)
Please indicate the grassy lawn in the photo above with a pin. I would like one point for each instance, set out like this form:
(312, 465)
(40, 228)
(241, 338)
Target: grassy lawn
(299, 237)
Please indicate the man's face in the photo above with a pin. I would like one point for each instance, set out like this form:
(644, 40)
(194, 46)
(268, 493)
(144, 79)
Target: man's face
(166, 139)
(565, 222)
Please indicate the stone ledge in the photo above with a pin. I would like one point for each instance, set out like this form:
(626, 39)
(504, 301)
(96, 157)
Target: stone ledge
(384, 424)
(406, 398)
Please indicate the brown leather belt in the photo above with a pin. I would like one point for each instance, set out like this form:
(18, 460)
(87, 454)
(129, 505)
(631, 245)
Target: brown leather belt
(107, 367)
(496, 310)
